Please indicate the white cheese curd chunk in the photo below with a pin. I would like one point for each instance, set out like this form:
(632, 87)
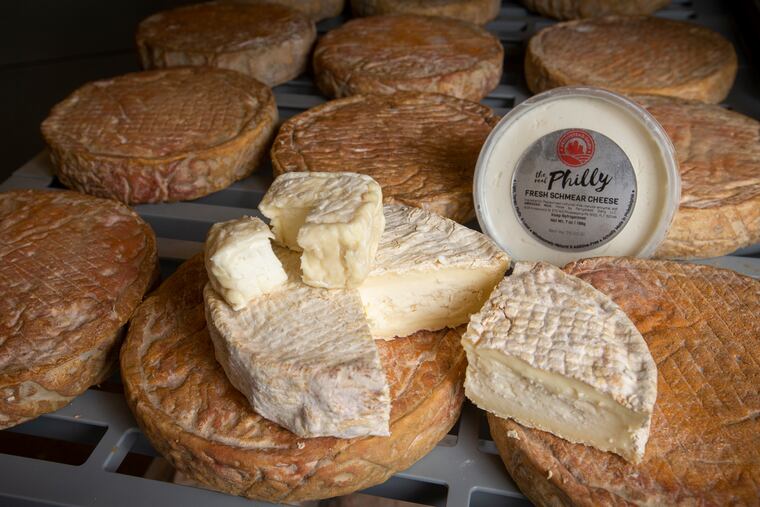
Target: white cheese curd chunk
(240, 262)
(335, 219)
(551, 352)
(303, 357)
(429, 273)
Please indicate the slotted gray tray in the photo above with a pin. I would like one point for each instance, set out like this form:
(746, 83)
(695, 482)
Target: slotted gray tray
(98, 456)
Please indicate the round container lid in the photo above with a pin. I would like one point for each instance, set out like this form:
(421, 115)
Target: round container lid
(577, 172)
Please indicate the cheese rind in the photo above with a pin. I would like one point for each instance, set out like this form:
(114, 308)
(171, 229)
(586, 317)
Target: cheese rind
(240, 262)
(429, 273)
(553, 353)
(335, 219)
(304, 358)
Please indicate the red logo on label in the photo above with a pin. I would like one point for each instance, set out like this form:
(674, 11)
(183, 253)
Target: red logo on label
(575, 148)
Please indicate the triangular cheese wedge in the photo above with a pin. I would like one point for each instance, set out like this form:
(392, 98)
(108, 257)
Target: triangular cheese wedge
(553, 353)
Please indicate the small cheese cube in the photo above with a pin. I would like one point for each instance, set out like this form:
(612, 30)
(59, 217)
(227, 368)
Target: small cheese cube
(240, 261)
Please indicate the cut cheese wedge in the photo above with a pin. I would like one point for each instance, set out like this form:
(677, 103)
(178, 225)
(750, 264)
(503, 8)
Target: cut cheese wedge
(336, 219)
(304, 357)
(429, 273)
(553, 353)
(240, 262)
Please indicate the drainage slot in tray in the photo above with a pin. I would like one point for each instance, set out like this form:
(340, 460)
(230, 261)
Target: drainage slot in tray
(52, 439)
(140, 460)
(408, 490)
(485, 499)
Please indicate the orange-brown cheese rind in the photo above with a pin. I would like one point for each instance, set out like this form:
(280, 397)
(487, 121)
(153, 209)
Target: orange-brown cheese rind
(718, 154)
(702, 326)
(164, 135)
(314, 9)
(421, 148)
(267, 41)
(72, 270)
(473, 11)
(575, 9)
(385, 54)
(633, 55)
(208, 431)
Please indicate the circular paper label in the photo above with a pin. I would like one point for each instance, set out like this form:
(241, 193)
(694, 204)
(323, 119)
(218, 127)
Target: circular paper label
(574, 189)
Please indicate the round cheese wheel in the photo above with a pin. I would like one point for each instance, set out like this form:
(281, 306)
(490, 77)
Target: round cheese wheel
(267, 41)
(421, 148)
(72, 270)
(575, 9)
(314, 9)
(701, 325)
(474, 11)
(633, 54)
(718, 154)
(207, 430)
(384, 54)
(163, 135)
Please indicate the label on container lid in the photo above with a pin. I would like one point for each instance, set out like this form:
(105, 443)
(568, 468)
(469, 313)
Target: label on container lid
(574, 189)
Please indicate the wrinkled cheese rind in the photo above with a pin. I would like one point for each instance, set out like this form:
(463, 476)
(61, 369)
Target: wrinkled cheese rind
(240, 262)
(429, 273)
(304, 358)
(552, 352)
(335, 219)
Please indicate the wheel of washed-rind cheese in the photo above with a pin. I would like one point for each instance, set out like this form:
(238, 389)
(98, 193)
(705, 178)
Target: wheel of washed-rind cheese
(474, 11)
(385, 54)
(164, 135)
(72, 270)
(575, 9)
(206, 428)
(702, 326)
(421, 148)
(267, 41)
(718, 155)
(633, 55)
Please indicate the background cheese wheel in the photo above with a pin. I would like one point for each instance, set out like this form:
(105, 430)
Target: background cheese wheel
(72, 270)
(718, 155)
(314, 9)
(384, 54)
(702, 326)
(163, 135)
(474, 11)
(633, 54)
(267, 41)
(575, 9)
(208, 431)
(420, 147)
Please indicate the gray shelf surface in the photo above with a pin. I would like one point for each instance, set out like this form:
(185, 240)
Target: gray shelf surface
(463, 470)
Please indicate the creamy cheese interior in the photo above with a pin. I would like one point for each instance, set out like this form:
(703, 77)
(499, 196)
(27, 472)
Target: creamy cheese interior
(404, 303)
(631, 134)
(551, 402)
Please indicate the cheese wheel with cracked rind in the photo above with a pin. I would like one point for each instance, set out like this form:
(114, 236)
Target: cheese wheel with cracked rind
(264, 40)
(72, 270)
(633, 55)
(385, 54)
(702, 325)
(314, 9)
(208, 431)
(479, 12)
(575, 9)
(164, 135)
(421, 148)
(718, 154)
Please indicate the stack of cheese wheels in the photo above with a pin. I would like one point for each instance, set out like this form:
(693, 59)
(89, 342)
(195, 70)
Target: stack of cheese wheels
(633, 55)
(421, 148)
(267, 41)
(574, 9)
(474, 11)
(718, 155)
(701, 326)
(72, 270)
(385, 54)
(164, 135)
